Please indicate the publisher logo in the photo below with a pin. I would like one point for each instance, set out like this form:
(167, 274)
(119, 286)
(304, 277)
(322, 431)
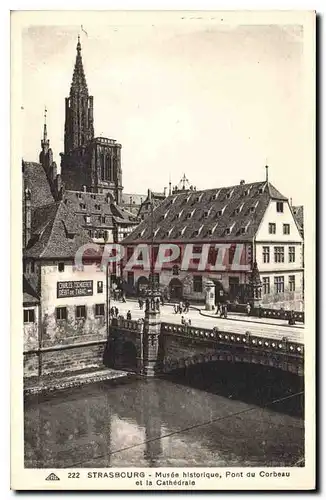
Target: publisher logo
(52, 477)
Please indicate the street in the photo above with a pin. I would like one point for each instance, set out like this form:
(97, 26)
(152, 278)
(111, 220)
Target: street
(235, 323)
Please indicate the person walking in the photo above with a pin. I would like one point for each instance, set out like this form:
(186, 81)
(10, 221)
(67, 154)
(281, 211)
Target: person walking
(183, 321)
(218, 309)
(248, 309)
(129, 315)
(176, 308)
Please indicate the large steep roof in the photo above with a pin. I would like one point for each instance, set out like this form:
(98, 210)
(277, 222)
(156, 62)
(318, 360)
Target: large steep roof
(231, 213)
(55, 233)
(36, 181)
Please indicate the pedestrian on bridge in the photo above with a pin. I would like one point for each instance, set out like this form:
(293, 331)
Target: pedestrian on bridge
(140, 303)
(176, 308)
(218, 309)
(129, 315)
(248, 309)
(224, 311)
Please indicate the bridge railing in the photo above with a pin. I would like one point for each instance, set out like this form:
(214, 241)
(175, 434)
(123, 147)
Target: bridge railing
(264, 312)
(244, 340)
(125, 324)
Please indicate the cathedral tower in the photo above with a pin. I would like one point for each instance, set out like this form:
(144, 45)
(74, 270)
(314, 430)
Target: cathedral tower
(94, 162)
(79, 123)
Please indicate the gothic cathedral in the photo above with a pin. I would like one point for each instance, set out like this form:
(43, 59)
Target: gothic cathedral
(88, 161)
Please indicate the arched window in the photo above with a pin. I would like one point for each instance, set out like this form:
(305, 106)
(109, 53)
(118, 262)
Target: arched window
(103, 167)
(110, 177)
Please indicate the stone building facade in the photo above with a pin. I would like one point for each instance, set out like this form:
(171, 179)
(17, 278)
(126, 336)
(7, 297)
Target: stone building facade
(248, 224)
(65, 315)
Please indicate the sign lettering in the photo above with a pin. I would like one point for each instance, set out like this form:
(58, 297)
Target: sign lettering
(74, 289)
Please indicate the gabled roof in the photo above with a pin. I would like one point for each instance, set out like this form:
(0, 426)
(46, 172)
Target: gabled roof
(298, 214)
(36, 181)
(29, 292)
(97, 206)
(229, 213)
(56, 233)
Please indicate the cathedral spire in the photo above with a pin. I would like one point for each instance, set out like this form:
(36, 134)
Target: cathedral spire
(79, 123)
(78, 84)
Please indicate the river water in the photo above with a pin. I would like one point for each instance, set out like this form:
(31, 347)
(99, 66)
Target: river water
(217, 415)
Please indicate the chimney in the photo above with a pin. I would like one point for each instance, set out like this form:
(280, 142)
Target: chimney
(242, 182)
(291, 202)
(165, 192)
(84, 189)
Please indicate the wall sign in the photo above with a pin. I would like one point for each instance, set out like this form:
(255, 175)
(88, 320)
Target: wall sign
(74, 288)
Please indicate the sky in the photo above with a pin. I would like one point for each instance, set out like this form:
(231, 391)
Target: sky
(211, 100)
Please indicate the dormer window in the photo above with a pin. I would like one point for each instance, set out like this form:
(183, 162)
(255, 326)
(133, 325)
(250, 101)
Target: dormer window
(156, 231)
(97, 207)
(220, 212)
(238, 209)
(214, 196)
(82, 206)
(211, 231)
(197, 233)
(253, 207)
(94, 197)
(228, 230)
(103, 219)
(261, 190)
(170, 231)
(179, 214)
(78, 195)
(244, 229)
(247, 191)
(229, 194)
(206, 214)
(87, 219)
(190, 214)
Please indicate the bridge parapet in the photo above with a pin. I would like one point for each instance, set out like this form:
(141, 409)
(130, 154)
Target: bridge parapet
(281, 346)
(130, 325)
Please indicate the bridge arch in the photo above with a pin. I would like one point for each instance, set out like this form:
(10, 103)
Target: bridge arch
(172, 364)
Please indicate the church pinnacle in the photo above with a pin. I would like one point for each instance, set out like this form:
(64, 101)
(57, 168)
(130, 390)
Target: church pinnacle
(78, 84)
(45, 143)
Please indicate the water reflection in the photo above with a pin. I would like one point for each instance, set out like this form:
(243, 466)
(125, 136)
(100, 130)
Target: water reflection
(165, 423)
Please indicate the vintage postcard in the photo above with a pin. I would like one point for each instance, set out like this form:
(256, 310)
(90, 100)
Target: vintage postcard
(163, 250)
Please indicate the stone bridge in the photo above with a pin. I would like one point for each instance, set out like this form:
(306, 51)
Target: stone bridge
(168, 347)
